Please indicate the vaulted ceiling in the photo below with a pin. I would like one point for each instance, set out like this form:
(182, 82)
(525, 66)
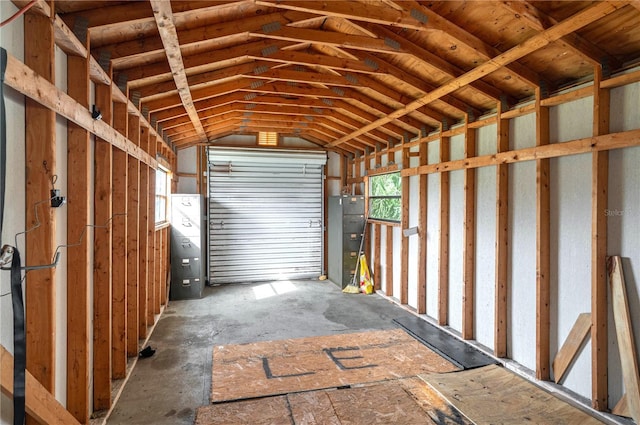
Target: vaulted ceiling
(347, 75)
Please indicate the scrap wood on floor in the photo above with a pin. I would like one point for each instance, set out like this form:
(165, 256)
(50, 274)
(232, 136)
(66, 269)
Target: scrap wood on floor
(245, 371)
(402, 401)
(495, 395)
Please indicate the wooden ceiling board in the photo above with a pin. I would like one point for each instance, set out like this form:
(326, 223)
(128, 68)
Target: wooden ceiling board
(618, 33)
(365, 66)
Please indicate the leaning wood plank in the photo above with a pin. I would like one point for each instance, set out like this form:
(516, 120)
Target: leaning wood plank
(40, 404)
(494, 395)
(571, 346)
(23, 79)
(624, 333)
(622, 408)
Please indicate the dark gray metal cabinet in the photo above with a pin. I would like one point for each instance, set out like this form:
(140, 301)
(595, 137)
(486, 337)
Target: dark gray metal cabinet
(187, 247)
(345, 226)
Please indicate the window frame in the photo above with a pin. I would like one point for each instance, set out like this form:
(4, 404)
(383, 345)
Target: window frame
(164, 196)
(370, 197)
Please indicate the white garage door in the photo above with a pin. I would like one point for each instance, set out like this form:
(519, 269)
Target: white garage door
(265, 214)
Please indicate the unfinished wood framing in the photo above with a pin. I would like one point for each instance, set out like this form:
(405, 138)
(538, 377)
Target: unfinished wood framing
(543, 220)
(624, 333)
(388, 279)
(119, 263)
(443, 259)
(40, 404)
(133, 253)
(362, 87)
(78, 262)
(502, 240)
(599, 202)
(377, 265)
(41, 172)
(102, 258)
(422, 233)
(151, 243)
(571, 346)
(404, 223)
(469, 239)
(143, 241)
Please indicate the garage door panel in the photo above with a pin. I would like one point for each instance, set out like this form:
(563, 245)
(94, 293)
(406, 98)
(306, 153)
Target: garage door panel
(265, 214)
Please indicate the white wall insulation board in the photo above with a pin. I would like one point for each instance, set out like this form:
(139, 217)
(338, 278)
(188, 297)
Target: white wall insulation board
(456, 228)
(433, 231)
(521, 322)
(570, 251)
(485, 269)
(414, 206)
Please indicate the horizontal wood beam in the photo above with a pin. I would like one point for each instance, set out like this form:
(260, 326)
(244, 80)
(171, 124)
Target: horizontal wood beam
(605, 142)
(23, 79)
(40, 403)
(577, 21)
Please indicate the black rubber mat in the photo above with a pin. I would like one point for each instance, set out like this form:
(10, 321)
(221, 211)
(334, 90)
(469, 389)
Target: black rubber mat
(448, 346)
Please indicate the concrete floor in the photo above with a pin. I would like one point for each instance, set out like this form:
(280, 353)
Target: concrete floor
(168, 387)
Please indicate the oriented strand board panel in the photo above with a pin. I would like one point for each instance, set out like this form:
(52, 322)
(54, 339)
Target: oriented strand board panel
(401, 401)
(494, 395)
(293, 365)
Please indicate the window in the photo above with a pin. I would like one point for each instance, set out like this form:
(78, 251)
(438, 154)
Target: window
(267, 138)
(162, 194)
(385, 197)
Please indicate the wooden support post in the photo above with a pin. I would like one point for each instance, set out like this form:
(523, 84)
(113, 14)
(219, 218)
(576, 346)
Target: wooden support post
(133, 253)
(443, 259)
(599, 196)
(543, 219)
(377, 276)
(78, 264)
(404, 223)
(388, 290)
(469, 238)
(119, 271)
(357, 173)
(40, 148)
(151, 224)
(143, 232)
(624, 333)
(102, 257)
(502, 240)
(165, 266)
(422, 234)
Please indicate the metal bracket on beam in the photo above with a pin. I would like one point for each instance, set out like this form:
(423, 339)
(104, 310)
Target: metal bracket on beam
(267, 51)
(271, 27)
(419, 16)
(104, 59)
(392, 43)
(371, 64)
(80, 28)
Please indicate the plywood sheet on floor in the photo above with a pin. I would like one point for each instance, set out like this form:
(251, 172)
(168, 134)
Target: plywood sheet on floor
(401, 401)
(292, 365)
(495, 395)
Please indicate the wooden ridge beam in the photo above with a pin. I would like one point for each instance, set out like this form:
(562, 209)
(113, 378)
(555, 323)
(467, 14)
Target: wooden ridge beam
(575, 22)
(167, 29)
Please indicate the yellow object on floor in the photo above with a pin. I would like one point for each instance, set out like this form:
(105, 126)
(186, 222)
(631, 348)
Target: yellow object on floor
(366, 282)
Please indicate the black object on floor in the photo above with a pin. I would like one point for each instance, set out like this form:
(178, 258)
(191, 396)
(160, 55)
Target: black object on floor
(448, 346)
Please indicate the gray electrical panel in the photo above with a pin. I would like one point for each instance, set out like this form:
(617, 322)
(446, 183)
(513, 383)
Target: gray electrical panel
(187, 247)
(345, 227)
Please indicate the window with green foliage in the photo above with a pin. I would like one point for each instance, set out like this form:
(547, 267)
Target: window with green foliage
(385, 197)
(163, 184)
